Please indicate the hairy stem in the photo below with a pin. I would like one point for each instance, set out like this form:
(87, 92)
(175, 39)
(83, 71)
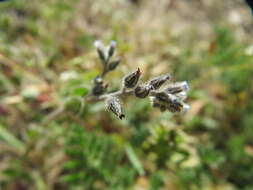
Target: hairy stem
(119, 93)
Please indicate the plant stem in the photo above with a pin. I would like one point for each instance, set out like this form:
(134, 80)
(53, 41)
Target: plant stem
(89, 99)
(122, 92)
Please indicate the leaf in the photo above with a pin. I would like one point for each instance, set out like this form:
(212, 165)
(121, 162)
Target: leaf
(80, 91)
(11, 139)
(134, 160)
(70, 178)
(88, 76)
(71, 164)
(156, 181)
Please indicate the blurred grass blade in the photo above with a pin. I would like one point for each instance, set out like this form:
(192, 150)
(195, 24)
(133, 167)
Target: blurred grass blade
(39, 182)
(134, 160)
(11, 140)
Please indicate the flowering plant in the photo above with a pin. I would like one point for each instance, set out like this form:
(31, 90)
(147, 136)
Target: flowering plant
(171, 98)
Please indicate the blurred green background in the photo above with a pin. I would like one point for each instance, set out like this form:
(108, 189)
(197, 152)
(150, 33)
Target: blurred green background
(47, 60)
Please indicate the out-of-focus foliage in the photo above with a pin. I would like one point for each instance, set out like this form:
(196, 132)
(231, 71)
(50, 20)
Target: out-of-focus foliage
(50, 138)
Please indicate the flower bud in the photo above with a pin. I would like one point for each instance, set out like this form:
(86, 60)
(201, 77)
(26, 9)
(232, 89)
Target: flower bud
(157, 104)
(157, 82)
(164, 97)
(100, 50)
(132, 79)
(99, 86)
(181, 95)
(154, 102)
(175, 106)
(98, 44)
(185, 86)
(99, 89)
(166, 101)
(113, 65)
(142, 91)
(98, 80)
(163, 108)
(178, 87)
(113, 104)
(111, 50)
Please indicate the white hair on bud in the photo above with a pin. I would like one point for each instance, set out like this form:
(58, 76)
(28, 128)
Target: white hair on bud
(98, 44)
(186, 108)
(113, 43)
(181, 95)
(185, 86)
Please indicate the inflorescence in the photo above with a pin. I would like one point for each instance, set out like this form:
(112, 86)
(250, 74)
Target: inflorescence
(170, 98)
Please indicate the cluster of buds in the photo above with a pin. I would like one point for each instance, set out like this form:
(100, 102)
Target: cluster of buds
(105, 54)
(170, 98)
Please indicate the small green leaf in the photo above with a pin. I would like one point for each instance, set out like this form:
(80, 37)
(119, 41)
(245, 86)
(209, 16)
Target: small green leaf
(81, 91)
(134, 160)
(88, 76)
(71, 178)
(70, 164)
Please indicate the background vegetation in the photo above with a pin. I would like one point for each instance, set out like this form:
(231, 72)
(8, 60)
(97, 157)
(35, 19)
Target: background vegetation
(47, 62)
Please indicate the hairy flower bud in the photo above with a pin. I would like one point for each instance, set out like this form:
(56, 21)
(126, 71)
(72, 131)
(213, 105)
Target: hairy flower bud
(181, 95)
(113, 104)
(100, 50)
(163, 108)
(154, 102)
(113, 65)
(99, 86)
(99, 89)
(132, 79)
(178, 87)
(175, 106)
(98, 44)
(98, 80)
(157, 82)
(157, 104)
(164, 97)
(166, 101)
(142, 91)
(111, 49)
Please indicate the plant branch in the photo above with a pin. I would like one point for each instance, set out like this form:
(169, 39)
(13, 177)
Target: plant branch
(119, 93)
(89, 99)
